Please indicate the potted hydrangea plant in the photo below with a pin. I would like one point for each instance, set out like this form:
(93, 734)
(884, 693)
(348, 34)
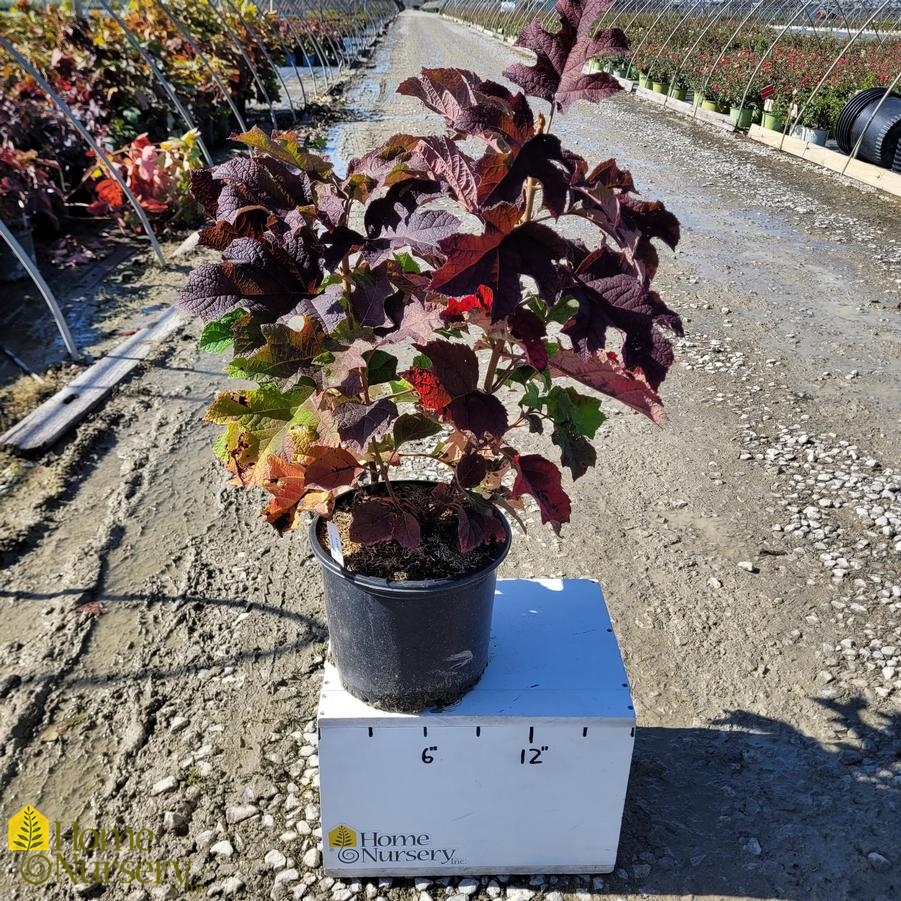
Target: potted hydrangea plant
(430, 304)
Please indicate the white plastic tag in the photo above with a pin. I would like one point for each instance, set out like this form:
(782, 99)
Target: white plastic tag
(334, 542)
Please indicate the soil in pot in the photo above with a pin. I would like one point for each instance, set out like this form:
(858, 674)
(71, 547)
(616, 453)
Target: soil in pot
(408, 645)
(438, 557)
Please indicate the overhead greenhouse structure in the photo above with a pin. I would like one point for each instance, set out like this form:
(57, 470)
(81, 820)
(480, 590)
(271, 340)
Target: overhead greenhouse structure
(107, 107)
(825, 71)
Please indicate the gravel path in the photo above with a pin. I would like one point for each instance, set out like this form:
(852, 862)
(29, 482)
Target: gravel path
(162, 647)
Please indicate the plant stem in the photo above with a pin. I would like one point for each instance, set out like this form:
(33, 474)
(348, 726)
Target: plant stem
(383, 472)
(496, 349)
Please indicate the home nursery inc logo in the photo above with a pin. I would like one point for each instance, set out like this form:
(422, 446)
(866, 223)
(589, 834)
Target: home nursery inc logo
(383, 847)
(68, 853)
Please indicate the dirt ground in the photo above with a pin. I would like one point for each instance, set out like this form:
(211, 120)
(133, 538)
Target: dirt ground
(161, 646)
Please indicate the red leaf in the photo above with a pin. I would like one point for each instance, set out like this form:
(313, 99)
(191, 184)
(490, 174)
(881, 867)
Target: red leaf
(483, 299)
(431, 395)
(541, 479)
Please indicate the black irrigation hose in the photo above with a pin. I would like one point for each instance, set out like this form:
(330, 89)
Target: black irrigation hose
(881, 137)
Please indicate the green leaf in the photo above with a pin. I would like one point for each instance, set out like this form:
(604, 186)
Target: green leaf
(381, 367)
(285, 353)
(251, 408)
(582, 411)
(407, 263)
(563, 311)
(217, 335)
(402, 392)
(421, 361)
(414, 427)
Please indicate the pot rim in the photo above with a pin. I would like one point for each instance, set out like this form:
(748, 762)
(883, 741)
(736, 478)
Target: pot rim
(404, 588)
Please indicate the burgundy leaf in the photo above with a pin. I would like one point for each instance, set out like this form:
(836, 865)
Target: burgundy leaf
(455, 366)
(327, 307)
(477, 526)
(558, 74)
(257, 276)
(471, 106)
(417, 322)
(368, 299)
(375, 520)
(528, 327)
(540, 158)
(471, 469)
(452, 167)
(605, 373)
(372, 521)
(498, 257)
(479, 413)
(379, 163)
(359, 424)
(539, 477)
(610, 294)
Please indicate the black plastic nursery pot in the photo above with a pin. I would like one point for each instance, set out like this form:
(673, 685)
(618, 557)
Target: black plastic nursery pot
(408, 646)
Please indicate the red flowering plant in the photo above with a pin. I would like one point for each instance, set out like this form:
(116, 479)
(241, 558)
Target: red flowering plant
(431, 303)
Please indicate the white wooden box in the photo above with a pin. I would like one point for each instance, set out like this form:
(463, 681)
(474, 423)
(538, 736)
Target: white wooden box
(526, 774)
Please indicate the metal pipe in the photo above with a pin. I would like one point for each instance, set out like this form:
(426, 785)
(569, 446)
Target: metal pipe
(183, 31)
(31, 267)
(167, 87)
(258, 40)
(833, 64)
(92, 143)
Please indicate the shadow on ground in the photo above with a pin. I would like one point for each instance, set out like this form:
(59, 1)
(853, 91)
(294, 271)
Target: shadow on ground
(746, 808)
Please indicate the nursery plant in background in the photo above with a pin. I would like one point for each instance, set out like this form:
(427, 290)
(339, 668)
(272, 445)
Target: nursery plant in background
(437, 305)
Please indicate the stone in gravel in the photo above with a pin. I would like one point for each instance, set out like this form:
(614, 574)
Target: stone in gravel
(468, 886)
(343, 894)
(422, 884)
(878, 861)
(311, 813)
(300, 890)
(597, 884)
(425, 896)
(553, 896)
(175, 822)
(164, 786)
(312, 859)
(458, 897)
(714, 582)
(747, 566)
(231, 886)
(493, 889)
(274, 859)
(641, 870)
(222, 849)
(371, 891)
(290, 875)
(178, 723)
(237, 813)
(519, 894)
